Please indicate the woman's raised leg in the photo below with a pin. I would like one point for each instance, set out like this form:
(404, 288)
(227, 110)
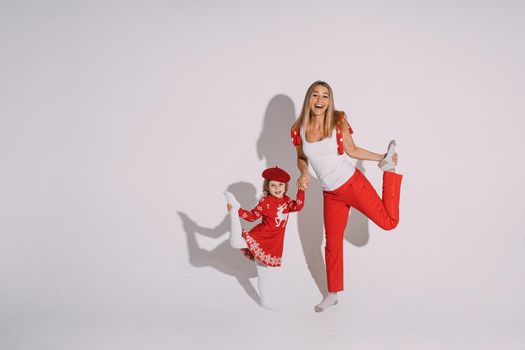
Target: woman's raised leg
(384, 212)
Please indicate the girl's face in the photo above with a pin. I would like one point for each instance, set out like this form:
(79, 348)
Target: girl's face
(319, 100)
(277, 188)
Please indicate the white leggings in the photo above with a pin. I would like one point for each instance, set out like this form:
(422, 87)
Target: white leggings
(237, 241)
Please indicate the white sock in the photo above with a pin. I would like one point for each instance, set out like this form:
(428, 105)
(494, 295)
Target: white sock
(387, 164)
(263, 282)
(330, 300)
(230, 198)
(236, 239)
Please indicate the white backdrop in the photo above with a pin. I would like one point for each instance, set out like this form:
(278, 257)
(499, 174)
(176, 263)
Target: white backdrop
(121, 122)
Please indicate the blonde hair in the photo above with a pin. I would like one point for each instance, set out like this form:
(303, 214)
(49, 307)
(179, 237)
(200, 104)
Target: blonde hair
(330, 113)
(266, 187)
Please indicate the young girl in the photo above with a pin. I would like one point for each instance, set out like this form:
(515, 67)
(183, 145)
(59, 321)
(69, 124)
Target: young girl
(264, 243)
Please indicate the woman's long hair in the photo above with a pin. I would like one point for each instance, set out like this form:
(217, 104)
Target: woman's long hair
(330, 113)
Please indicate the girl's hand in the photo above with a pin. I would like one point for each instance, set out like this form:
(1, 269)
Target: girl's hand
(229, 206)
(303, 182)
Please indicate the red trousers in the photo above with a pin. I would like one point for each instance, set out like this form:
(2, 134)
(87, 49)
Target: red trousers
(358, 193)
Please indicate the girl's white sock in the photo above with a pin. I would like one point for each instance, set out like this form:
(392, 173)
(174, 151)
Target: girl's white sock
(230, 198)
(236, 239)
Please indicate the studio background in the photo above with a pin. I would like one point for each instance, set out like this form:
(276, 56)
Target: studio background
(121, 123)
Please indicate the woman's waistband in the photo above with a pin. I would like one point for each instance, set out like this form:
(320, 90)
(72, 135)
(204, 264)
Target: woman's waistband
(356, 175)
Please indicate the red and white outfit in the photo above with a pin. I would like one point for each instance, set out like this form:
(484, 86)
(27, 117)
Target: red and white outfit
(344, 187)
(265, 241)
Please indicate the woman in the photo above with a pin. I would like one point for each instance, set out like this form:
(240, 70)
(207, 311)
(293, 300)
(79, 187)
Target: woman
(322, 137)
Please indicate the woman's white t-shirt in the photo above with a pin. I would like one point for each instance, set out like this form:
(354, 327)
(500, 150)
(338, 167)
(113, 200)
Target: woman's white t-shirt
(332, 169)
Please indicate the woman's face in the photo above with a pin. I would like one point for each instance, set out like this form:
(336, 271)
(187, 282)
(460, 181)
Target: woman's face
(319, 100)
(277, 188)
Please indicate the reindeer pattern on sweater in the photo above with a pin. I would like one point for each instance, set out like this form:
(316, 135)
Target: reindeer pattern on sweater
(265, 241)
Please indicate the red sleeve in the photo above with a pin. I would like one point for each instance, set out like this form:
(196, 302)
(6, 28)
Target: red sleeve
(255, 213)
(343, 122)
(298, 204)
(296, 135)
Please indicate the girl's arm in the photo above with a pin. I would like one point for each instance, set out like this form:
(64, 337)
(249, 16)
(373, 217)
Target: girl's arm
(302, 164)
(298, 204)
(255, 213)
(357, 152)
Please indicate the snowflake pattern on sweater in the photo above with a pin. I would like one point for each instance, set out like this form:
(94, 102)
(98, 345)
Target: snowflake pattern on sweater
(265, 241)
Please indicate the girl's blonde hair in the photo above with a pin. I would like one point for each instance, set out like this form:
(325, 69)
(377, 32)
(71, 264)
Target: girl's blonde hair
(266, 187)
(330, 113)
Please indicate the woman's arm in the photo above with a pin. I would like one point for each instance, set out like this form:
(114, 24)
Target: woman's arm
(302, 164)
(357, 152)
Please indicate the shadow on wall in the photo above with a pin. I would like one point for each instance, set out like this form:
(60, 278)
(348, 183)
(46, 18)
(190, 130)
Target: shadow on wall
(275, 146)
(223, 258)
(357, 232)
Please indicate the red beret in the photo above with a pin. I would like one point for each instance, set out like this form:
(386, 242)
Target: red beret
(276, 174)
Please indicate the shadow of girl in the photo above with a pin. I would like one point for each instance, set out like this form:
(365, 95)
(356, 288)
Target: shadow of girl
(223, 258)
(274, 145)
(357, 230)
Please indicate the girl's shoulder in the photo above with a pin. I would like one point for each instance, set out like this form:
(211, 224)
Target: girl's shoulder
(268, 200)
